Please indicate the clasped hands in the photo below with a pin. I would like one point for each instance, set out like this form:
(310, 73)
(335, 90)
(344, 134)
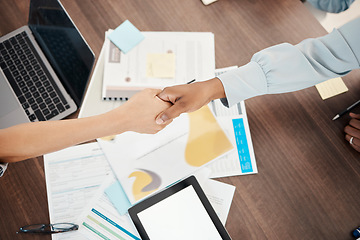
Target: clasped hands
(170, 102)
(152, 109)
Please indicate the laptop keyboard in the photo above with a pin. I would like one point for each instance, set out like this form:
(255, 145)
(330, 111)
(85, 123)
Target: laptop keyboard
(30, 80)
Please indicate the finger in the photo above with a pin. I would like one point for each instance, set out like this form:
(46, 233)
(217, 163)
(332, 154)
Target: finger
(355, 142)
(162, 126)
(354, 115)
(355, 123)
(155, 91)
(171, 113)
(167, 122)
(166, 96)
(352, 131)
(164, 103)
(356, 148)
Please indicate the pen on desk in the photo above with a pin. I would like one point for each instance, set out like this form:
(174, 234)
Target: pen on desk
(346, 110)
(356, 233)
(191, 81)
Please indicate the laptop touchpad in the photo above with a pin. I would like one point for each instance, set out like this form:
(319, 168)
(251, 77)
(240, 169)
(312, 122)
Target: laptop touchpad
(8, 101)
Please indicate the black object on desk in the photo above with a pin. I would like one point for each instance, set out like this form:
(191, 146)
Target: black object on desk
(49, 228)
(346, 110)
(181, 210)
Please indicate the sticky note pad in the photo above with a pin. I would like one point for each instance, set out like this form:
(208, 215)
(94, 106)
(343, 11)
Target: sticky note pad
(160, 65)
(331, 88)
(118, 197)
(126, 36)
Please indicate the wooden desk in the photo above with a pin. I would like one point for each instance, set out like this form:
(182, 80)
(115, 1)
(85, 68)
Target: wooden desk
(308, 181)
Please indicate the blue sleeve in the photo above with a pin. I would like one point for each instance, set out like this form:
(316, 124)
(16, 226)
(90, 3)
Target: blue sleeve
(286, 68)
(333, 6)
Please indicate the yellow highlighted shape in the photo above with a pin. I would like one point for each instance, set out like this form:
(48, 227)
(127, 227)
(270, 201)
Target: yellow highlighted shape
(331, 88)
(108, 138)
(160, 65)
(206, 140)
(142, 179)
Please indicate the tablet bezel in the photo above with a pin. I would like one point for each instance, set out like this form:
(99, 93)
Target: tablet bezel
(152, 200)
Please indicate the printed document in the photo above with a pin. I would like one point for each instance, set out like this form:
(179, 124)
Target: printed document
(100, 219)
(162, 59)
(146, 163)
(235, 123)
(73, 176)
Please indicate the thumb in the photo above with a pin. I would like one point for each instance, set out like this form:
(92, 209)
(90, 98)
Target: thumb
(165, 96)
(169, 114)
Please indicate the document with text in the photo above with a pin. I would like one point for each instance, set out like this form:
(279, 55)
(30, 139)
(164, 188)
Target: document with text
(73, 175)
(234, 121)
(162, 59)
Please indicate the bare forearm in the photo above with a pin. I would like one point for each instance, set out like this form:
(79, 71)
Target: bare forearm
(34, 139)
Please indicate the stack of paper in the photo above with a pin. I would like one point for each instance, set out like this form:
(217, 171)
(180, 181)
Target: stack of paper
(212, 142)
(86, 196)
(147, 163)
(162, 59)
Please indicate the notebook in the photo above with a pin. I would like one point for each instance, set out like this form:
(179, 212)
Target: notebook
(44, 67)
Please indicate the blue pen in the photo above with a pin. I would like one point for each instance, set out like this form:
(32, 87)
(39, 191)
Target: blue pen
(356, 232)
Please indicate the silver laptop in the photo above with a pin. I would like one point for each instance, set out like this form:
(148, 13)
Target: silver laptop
(44, 67)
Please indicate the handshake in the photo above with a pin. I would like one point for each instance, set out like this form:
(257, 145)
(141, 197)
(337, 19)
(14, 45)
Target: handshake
(146, 112)
(150, 110)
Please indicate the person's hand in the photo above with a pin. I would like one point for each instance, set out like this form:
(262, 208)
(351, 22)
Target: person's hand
(139, 112)
(353, 131)
(189, 97)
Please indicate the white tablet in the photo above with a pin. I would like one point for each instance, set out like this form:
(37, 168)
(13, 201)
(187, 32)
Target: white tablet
(181, 211)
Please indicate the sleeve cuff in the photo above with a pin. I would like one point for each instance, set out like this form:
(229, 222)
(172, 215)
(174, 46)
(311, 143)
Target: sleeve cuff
(242, 83)
(3, 167)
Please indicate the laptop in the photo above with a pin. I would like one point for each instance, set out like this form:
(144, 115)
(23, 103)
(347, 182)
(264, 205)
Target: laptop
(44, 67)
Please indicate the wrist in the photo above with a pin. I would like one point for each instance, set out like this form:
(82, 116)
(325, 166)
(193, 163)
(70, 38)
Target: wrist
(115, 121)
(215, 89)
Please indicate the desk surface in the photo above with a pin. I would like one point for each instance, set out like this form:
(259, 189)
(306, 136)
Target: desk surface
(308, 181)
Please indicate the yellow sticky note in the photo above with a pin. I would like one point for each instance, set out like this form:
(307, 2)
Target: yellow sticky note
(331, 88)
(160, 65)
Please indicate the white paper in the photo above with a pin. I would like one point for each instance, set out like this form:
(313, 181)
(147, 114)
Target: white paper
(100, 219)
(126, 74)
(72, 176)
(242, 161)
(93, 103)
(228, 165)
(220, 196)
(145, 163)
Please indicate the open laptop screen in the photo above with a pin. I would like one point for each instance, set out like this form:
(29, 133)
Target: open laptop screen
(63, 45)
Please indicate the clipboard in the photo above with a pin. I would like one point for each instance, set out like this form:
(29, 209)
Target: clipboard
(181, 211)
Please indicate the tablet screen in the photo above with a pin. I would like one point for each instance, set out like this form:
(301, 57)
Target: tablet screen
(179, 212)
(180, 216)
